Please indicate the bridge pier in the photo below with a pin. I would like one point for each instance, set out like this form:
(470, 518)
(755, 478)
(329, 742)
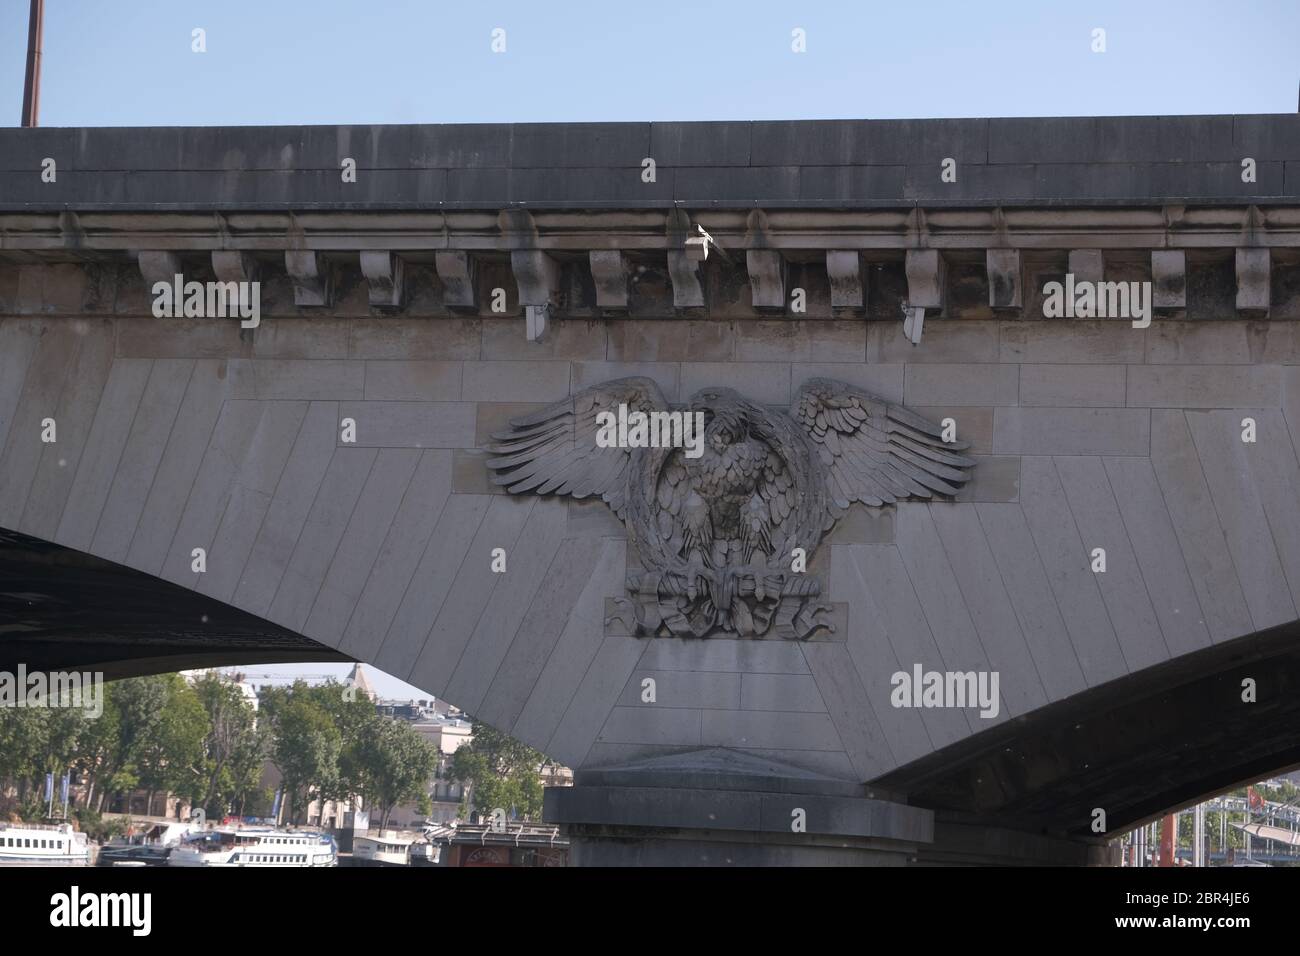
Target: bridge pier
(720, 807)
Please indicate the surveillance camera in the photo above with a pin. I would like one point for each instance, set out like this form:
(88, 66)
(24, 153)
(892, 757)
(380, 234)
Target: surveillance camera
(913, 321)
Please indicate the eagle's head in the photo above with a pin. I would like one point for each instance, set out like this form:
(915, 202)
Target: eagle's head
(725, 421)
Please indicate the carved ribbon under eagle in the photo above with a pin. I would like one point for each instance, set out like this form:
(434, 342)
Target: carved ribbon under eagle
(716, 534)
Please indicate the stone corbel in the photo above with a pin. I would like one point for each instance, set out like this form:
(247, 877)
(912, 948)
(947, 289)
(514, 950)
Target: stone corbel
(1168, 279)
(609, 271)
(848, 285)
(456, 271)
(683, 271)
(765, 265)
(385, 276)
(159, 267)
(1254, 268)
(537, 276)
(766, 279)
(234, 266)
(1004, 278)
(310, 276)
(927, 276)
(927, 283)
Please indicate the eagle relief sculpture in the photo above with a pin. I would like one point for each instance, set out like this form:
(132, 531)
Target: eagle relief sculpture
(719, 528)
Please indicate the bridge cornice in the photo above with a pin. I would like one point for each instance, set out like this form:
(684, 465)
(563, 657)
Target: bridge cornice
(83, 234)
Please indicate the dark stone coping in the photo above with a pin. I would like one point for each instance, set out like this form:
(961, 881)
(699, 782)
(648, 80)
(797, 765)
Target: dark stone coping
(852, 164)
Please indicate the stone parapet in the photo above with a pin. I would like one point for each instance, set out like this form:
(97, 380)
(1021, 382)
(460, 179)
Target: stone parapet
(855, 164)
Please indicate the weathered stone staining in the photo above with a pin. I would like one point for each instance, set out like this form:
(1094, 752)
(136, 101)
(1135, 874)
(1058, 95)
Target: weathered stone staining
(159, 266)
(1087, 265)
(1254, 276)
(312, 283)
(844, 270)
(1004, 278)
(926, 279)
(766, 279)
(684, 264)
(537, 276)
(688, 285)
(234, 266)
(456, 270)
(609, 272)
(926, 272)
(385, 275)
(1168, 279)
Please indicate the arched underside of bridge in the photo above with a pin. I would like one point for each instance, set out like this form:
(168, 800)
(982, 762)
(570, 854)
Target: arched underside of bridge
(1135, 747)
(66, 610)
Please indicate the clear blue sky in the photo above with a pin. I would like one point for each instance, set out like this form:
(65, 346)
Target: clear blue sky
(128, 62)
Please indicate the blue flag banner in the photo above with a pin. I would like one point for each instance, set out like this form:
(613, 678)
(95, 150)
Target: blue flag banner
(49, 787)
(63, 789)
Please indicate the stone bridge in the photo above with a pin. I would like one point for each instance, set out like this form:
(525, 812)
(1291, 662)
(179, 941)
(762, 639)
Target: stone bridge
(459, 277)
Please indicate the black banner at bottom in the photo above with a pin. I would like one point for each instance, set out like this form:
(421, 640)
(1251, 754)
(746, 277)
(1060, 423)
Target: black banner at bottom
(260, 906)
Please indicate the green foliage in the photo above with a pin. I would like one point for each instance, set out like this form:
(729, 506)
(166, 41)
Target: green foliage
(170, 755)
(353, 714)
(234, 748)
(307, 747)
(204, 741)
(502, 773)
(96, 827)
(394, 765)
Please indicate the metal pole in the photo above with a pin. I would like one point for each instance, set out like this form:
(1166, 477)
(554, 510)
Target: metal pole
(32, 82)
(1198, 835)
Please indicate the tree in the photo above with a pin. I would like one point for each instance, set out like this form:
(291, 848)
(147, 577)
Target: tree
(21, 736)
(395, 764)
(233, 750)
(307, 745)
(171, 748)
(502, 773)
(98, 744)
(353, 713)
(138, 703)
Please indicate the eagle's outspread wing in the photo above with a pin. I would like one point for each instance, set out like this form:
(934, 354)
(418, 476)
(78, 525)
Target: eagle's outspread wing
(554, 451)
(874, 451)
